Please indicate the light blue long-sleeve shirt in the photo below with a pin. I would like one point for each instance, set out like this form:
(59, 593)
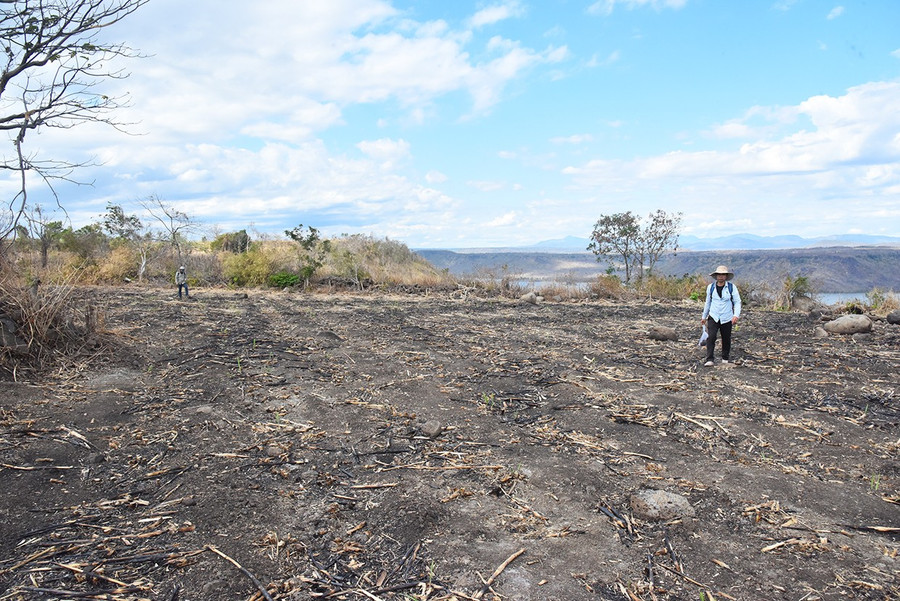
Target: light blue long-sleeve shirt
(720, 308)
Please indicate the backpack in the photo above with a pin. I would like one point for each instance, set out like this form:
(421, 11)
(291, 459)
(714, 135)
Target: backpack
(730, 293)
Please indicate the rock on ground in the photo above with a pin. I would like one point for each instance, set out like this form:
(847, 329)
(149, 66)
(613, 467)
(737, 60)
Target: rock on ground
(663, 333)
(659, 505)
(849, 324)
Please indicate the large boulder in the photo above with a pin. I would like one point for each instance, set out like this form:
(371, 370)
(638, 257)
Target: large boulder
(531, 298)
(894, 317)
(849, 324)
(805, 304)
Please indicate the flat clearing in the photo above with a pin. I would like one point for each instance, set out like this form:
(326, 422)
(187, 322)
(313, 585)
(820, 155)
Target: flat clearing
(295, 446)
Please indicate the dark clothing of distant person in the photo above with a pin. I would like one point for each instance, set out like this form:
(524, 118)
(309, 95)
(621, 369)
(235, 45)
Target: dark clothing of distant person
(181, 281)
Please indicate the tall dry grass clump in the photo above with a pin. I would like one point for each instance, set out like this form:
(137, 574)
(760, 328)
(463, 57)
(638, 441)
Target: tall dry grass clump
(881, 302)
(608, 287)
(42, 322)
(673, 287)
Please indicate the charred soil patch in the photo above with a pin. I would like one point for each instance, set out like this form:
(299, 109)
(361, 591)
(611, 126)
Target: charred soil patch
(288, 446)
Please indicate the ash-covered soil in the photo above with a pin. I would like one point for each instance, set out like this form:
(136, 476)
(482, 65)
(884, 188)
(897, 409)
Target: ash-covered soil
(299, 446)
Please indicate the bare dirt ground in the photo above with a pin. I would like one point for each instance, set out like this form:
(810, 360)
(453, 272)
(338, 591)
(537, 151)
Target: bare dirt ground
(292, 446)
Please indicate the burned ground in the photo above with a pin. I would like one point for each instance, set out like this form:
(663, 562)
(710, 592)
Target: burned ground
(289, 446)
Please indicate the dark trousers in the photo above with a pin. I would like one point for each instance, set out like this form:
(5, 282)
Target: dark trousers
(180, 286)
(713, 327)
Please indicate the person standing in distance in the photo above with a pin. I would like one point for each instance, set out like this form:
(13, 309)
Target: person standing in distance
(181, 281)
(721, 312)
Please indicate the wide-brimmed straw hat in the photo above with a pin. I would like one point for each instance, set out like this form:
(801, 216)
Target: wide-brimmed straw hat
(724, 270)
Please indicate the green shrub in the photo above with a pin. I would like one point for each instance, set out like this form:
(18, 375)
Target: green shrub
(247, 269)
(284, 279)
(853, 308)
(792, 288)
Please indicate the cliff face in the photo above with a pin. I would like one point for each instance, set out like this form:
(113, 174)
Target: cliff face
(838, 269)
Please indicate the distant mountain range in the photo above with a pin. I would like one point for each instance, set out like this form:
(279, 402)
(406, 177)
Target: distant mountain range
(830, 269)
(842, 263)
(734, 242)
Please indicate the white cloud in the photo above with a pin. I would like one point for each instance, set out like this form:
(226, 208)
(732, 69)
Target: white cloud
(851, 149)
(612, 58)
(386, 150)
(836, 12)
(486, 186)
(784, 5)
(503, 220)
(606, 7)
(435, 177)
(573, 139)
(496, 13)
(319, 56)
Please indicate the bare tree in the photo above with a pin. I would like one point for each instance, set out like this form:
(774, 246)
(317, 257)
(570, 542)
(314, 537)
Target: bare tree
(51, 62)
(175, 223)
(45, 231)
(132, 231)
(658, 237)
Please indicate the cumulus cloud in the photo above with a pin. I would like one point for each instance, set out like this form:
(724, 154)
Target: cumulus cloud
(496, 13)
(232, 126)
(847, 144)
(299, 64)
(385, 149)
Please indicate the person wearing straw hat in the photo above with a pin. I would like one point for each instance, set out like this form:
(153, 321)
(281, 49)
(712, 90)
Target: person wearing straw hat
(181, 282)
(721, 312)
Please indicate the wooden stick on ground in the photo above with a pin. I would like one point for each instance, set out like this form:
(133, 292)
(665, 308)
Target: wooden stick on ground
(258, 584)
(497, 572)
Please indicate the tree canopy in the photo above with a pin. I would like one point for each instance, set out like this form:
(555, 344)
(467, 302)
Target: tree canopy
(622, 237)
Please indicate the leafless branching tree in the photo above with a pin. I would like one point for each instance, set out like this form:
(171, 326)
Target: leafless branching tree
(52, 61)
(176, 224)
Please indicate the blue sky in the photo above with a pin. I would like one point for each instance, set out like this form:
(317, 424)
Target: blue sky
(486, 124)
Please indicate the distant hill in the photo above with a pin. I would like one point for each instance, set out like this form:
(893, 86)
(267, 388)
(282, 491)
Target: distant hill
(830, 269)
(733, 242)
(752, 242)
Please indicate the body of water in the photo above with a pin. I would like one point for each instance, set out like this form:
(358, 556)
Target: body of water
(834, 298)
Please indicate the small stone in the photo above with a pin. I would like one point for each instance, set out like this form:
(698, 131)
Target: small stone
(274, 450)
(662, 333)
(432, 428)
(529, 297)
(658, 505)
(820, 332)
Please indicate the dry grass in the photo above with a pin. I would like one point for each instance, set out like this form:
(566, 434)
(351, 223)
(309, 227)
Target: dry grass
(881, 302)
(49, 323)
